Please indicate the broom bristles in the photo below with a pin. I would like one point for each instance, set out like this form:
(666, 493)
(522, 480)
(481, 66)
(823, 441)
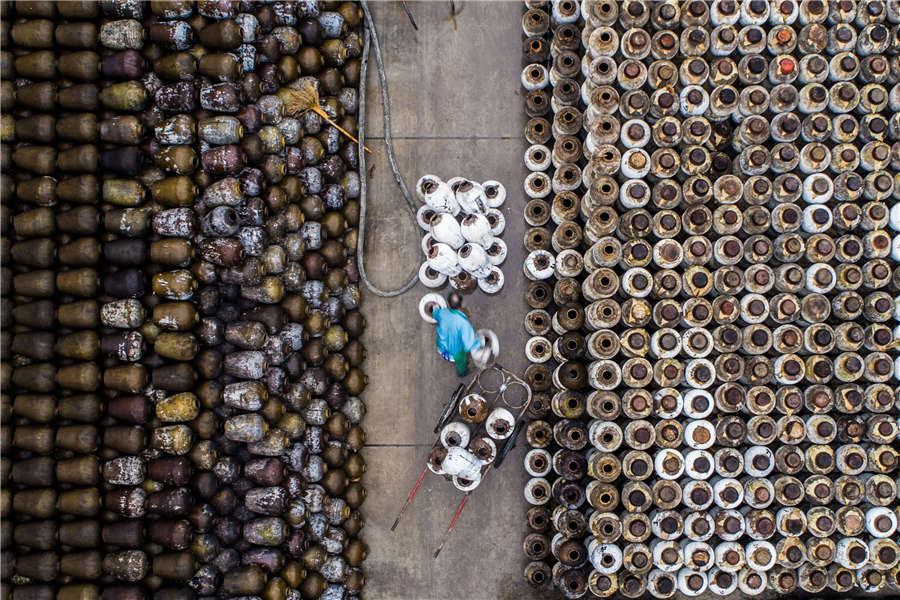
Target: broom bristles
(298, 101)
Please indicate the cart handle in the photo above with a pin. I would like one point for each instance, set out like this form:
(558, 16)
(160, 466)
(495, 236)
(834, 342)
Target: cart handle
(409, 499)
(452, 523)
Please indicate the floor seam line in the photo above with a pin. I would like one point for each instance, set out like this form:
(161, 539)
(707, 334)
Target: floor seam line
(459, 137)
(398, 445)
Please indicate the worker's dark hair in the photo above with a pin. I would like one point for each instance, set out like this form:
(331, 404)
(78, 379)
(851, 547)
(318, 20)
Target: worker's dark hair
(455, 300)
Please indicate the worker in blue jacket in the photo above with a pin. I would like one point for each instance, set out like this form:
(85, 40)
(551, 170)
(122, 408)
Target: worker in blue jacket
(455, 335)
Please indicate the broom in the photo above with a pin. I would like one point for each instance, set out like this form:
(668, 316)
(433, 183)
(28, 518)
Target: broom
(306, 98)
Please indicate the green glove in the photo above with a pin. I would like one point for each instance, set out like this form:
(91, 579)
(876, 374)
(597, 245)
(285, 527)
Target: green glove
(459, 360)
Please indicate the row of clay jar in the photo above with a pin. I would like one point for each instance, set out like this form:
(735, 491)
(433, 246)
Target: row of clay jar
(193, 374)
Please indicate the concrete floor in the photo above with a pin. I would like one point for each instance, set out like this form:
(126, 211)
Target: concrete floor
(456, 110)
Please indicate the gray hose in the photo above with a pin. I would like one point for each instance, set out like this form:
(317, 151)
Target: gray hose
(371, 37)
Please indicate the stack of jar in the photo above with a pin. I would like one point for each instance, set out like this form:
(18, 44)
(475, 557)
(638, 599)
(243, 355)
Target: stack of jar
(65, 303)
(553, 266)
(462, 223)
(181, 367)
(715, 272)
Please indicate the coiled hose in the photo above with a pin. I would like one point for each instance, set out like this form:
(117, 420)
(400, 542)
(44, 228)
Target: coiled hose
(371, 38)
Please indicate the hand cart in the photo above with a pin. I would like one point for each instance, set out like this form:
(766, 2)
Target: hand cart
(501, 389)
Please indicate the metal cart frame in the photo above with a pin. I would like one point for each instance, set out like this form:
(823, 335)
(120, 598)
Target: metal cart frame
(493, 382)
